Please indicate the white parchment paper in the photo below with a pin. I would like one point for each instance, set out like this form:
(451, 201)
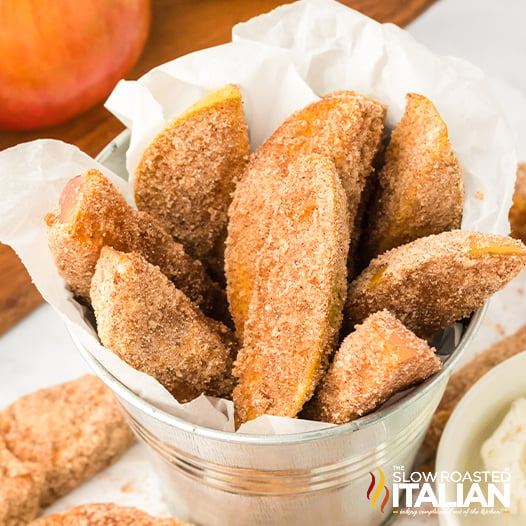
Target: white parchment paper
(281, 61)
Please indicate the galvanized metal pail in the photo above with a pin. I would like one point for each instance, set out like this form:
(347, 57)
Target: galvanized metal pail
(215, 478)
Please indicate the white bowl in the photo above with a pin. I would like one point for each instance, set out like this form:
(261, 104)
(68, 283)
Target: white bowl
(472, 422)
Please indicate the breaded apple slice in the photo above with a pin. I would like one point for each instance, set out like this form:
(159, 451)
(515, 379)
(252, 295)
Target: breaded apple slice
(343, 127)
(186, 176)
(156, 328)
(52, 441)
(105, 514)
(296, 308)
(517, 213)
(20, 488)
(420, 187)
(93, 213)
(378, 359)
(433, 281)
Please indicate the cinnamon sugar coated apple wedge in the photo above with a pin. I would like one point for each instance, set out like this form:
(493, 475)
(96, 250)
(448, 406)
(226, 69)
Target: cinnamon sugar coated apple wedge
(20, 488)
(433, 281)
(420, 187)
(186, 176)
(343, 127)
(296, 306)
(93, 213)
(155, 328)
(517, 213)
(53, 440)
(378, 359)
(105, 514)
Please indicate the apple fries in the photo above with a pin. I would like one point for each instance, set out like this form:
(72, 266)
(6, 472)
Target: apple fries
(380, 358)
(53, 440)
(156, 328)
(293, 225)
(92, 213)
(433, 281)
(420, 189)
(20, 488)
(345, 128)
(186, 176)
(301, 275)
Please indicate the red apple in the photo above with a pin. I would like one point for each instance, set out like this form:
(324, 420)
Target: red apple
(59, 58)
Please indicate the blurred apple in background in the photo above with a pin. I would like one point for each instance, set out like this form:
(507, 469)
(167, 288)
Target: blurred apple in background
(60, 57)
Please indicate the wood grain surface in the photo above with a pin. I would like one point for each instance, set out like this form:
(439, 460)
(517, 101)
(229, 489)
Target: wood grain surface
(178, 27)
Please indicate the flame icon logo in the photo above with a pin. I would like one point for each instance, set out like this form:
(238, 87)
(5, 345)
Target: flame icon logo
(378, 491)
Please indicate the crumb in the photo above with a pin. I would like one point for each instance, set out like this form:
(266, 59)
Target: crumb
(128, 487)
(500, 329)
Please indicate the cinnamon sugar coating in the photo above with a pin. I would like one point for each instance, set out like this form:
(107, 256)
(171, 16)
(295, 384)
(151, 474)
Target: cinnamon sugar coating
(296, 306)
(53, 440)
(420, 186)
(462, 380)
(433, 281)
(156, 328)
(343, 127)
(186, 176)
(92, 213)
(20, 484)
(379, 359)
(517, 213)
(105, 515)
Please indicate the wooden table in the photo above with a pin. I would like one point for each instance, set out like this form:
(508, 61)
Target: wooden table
(178, 27)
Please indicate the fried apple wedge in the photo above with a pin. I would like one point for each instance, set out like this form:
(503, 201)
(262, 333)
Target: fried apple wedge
(343, 127)
(20, 488)
(296, 308)
(155, 328)
(433, 281)
(93, 213)
(186, 176)
(517, 213)
(52, 441)
(420, 188)
(378, 359)
(104, 514)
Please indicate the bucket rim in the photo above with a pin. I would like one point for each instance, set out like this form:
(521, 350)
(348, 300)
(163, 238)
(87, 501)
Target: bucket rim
(138, 403)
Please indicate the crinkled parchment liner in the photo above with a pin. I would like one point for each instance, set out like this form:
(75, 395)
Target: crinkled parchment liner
(281, 61)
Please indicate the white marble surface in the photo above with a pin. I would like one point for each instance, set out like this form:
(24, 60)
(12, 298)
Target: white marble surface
(38, 351)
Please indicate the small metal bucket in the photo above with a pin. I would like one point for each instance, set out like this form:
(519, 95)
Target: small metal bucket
(216, 478)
